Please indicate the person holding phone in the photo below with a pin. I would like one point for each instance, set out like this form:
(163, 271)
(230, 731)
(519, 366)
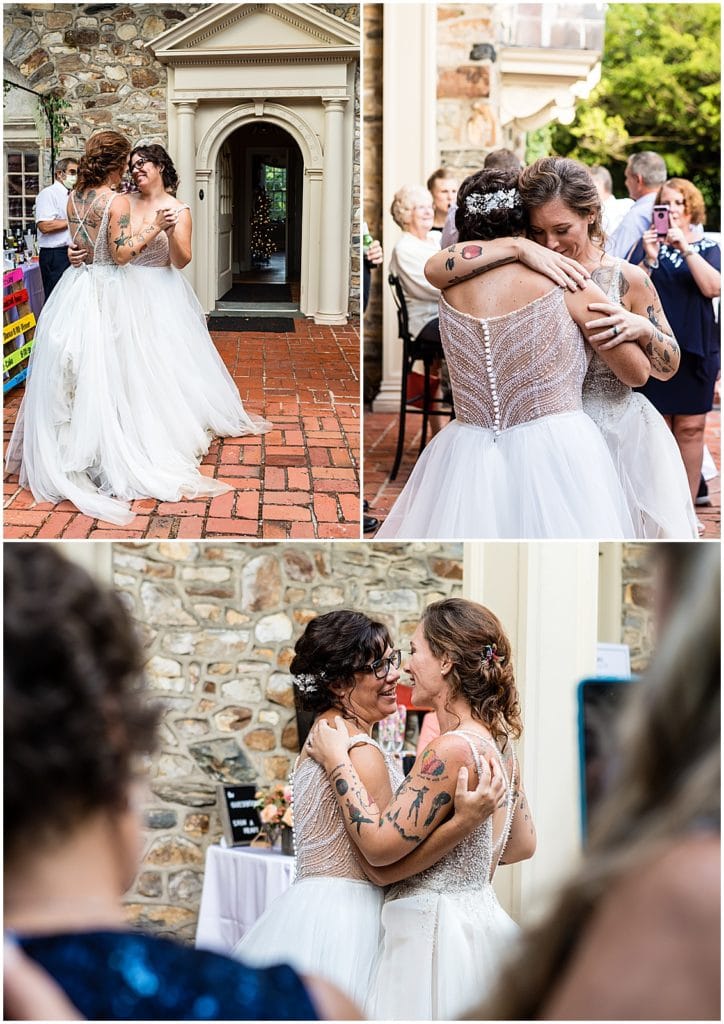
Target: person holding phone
(685, 269)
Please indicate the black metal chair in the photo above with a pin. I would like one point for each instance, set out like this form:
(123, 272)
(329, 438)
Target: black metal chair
(427, 351)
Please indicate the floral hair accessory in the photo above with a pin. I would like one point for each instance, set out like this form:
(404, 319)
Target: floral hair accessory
(491, 656)
(306, 683)
(504, 198)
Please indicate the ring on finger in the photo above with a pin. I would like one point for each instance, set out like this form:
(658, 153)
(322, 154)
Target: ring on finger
(614, 330)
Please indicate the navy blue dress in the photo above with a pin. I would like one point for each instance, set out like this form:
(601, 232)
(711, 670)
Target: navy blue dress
(691, 315)
(129, 976)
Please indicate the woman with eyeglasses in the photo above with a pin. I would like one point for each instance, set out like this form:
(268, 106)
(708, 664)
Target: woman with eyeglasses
(328, 922)
(125, 390)
(444, 934)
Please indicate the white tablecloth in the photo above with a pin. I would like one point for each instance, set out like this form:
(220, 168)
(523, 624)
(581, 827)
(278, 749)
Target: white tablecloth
(239, 884)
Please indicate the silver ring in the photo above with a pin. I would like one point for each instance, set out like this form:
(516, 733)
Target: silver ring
(615, 330)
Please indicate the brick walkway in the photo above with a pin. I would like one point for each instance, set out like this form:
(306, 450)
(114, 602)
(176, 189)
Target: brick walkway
(380, 440)
(298, 481)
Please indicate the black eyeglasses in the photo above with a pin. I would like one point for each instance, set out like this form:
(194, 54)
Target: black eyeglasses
(139, 163)
(383, 666)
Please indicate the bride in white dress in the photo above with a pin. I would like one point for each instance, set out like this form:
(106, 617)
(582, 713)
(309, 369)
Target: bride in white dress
(564, 215)
(328, 923)
(445, 936)
(125, 389)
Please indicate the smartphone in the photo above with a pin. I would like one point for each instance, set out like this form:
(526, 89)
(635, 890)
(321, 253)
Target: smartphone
(600, 702)
(661, 219)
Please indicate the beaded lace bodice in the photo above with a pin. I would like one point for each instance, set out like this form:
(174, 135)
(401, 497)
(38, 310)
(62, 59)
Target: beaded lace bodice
(601, 385)
(512, 369)
(470, 866)
(101, 252)
(156, 253)
(323, 847)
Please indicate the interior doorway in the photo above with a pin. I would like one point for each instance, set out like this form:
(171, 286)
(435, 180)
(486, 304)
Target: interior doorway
(260, 168)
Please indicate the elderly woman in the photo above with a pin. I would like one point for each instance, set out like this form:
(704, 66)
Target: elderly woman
(563, 211)
(686, 271)
(413, 211)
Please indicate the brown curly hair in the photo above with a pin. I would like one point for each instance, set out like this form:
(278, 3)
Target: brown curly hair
(554, 177)
(693, 199)
(463, 630)
(158, 156)
(105, 152)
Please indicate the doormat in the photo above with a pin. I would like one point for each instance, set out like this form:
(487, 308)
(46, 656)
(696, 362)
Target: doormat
(259, 324)
(258, 293)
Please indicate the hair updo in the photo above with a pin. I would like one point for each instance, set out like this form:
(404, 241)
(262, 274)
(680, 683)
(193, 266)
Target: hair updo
(558, 177)
(76, 715)
(498, 216)
(105, 152)
(158, 156)
(329, 652)
(482, 674)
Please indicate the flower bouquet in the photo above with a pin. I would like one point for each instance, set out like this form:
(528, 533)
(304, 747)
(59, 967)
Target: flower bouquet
(275, 813)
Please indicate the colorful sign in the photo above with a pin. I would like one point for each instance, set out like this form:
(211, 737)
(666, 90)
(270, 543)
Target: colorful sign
(14, 299)
(19, 327)
(12, 277)
(17, 356)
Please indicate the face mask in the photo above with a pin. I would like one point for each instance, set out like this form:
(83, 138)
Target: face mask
(70, 180)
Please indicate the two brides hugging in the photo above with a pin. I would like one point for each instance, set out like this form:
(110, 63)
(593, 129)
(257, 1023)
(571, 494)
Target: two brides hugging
(431, 944)
(125, 388)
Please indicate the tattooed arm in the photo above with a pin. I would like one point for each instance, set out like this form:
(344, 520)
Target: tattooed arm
(626, 360)
(385, 834)
(123, 244)
(464, 260)
(471, 808)
(656, 337)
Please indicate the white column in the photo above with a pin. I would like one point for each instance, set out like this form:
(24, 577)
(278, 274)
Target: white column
(409, 145)
(546, 595)
(331, 300)
(186, 165)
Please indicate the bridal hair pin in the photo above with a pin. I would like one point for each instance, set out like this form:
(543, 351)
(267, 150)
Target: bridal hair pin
(306, 683)
(491, 656)
(504, 198)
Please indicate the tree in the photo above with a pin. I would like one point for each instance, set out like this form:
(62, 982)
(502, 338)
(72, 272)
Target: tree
(660, 90)
(261, 245)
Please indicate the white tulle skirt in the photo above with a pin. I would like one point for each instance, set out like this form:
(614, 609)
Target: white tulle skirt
(328, 927)
(552, 477)
(125, 392)
(441, 954)
(648, 463)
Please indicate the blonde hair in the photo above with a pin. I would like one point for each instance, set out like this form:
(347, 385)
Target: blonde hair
(667, 784)
(405, 201)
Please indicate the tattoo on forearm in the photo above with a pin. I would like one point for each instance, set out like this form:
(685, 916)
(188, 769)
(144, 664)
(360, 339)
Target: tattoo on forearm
(471, 252)
(416, 804)
(440, 801)
(356, 816)
(341, 785)
(408, 836)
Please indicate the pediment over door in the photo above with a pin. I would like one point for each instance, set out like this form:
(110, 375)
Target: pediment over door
(255, 31)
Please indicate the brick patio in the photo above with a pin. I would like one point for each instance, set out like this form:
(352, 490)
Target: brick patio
(380, 440)
(298, 481)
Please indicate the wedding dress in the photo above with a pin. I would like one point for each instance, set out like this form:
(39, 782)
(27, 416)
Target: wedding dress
(445, 936)
(643, 449)
(328, 922)
(125, 389)
(521, 459)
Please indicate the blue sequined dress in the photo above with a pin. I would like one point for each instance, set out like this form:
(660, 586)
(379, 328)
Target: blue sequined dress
(112, 975)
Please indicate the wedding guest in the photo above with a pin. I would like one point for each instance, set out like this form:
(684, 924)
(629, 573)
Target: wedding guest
(685, 268)
(51, 220)
(635, 933)
(645, 174)
(78, 728)
(613, 210)
(443, 187)
(413, 211)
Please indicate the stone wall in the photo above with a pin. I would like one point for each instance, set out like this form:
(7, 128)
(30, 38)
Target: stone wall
(468, 85)
(637, 627)
(219, 622)
(372, 198)
(98, 62)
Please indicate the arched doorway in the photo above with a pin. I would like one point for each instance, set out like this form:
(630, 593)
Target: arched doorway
(260, 177)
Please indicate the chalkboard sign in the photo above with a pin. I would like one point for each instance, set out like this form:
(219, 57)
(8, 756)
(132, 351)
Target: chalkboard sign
(239, 814)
